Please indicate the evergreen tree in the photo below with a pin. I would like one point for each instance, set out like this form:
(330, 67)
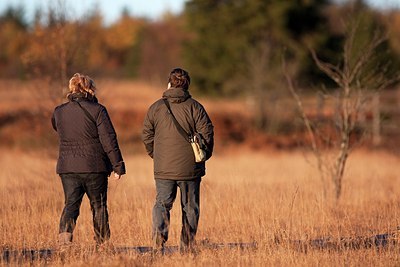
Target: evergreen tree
(227, 32)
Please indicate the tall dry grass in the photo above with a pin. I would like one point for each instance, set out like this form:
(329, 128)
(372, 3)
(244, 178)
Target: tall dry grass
(246, 197)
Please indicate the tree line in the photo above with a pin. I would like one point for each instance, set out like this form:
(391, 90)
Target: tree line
(229, 47)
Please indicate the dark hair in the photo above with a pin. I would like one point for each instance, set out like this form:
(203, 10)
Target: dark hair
(179, 78)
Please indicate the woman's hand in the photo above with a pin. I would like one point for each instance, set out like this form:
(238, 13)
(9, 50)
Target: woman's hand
(117, 176)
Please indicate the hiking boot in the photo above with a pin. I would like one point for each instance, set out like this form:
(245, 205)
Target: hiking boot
(65, 241)
(158, 247)
(105, 247)
(187, 249)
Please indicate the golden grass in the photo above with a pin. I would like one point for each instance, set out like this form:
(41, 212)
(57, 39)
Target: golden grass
(245, 197)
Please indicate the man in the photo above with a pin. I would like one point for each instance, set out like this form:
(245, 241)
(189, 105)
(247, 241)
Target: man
(174, 161)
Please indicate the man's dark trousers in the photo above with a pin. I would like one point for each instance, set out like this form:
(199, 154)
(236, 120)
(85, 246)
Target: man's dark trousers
(75, 186)
(190, 204)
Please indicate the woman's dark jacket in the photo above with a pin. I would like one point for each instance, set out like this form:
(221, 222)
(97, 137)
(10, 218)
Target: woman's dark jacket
(172, 154)
(87, 144)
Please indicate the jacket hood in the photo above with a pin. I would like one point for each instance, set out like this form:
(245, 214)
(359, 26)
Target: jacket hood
(82, 97)
(176, 95)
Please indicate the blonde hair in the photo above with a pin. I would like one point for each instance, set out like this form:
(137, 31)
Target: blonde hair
(81, 84)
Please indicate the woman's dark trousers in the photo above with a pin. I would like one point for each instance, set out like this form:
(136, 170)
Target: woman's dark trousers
(190, 204)
(75, 186)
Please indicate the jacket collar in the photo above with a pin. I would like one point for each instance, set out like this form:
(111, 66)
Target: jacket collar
(82, 97)
(176, 95)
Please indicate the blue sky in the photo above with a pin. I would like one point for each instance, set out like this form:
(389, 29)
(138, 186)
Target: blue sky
(153, 9)
(382, 4)
(111, 9)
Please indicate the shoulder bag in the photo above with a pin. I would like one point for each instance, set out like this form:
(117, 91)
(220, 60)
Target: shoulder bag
(193, 138)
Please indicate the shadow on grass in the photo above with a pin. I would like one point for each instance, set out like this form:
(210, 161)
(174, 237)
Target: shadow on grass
(325, 243)
(328, 243)
(32, 255)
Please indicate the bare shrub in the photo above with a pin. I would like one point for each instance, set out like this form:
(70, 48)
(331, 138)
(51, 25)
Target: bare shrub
(358, 76)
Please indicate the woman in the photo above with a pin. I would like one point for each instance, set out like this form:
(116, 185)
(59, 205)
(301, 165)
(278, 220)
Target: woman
(88, 153)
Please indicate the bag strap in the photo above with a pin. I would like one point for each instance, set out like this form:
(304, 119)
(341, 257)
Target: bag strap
(87, 113)
(178, 126)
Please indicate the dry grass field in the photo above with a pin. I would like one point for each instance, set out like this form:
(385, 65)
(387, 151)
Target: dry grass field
(246, 197)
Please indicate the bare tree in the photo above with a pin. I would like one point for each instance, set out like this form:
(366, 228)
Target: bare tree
(264, 80)
(258, 62)
(355, 77)
(52, 54)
